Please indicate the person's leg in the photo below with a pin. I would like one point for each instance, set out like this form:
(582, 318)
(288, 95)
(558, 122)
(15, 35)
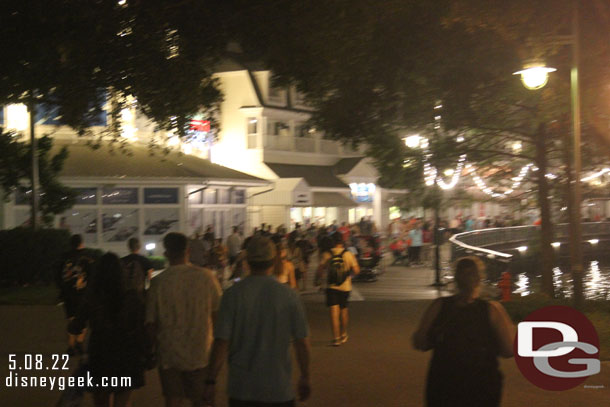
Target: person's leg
(101, 399)
(334, 321)
(344, 323)
(172, 387)
(122, 398)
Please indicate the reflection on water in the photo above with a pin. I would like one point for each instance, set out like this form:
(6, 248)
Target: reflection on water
(596, 283)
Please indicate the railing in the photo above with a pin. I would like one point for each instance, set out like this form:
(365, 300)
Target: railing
(329, 147)
(305, 145)
(282, 143)
(477, 240)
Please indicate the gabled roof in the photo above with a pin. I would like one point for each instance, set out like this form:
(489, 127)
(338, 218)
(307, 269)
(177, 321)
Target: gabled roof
(321, 176)
(345, 165)
(83, 161)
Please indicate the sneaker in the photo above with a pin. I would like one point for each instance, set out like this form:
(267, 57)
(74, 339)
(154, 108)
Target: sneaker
(71, 351)
(336, 342)
(344, 338)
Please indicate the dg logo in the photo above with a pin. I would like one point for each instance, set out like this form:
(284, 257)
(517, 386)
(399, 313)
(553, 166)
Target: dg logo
(557, 348)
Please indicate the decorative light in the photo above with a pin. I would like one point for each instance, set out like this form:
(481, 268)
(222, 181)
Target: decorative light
(150, 246)
(448, 172)
(595, 175)
(594, 241)
(412, 141)
(459, 139)
(17, 117)
(556, 244)
(187, 149)
(517, 146)
(535, 76)
(522, 249)
(439, 106)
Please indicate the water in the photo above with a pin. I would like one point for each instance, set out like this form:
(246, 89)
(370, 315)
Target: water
(596, 282)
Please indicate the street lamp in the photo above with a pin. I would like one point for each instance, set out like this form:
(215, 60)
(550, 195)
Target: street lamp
(535, 76)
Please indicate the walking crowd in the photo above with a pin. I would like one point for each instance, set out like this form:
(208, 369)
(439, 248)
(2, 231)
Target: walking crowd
(187, 327)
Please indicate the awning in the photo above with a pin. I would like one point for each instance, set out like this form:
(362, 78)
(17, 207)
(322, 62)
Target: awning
(286, 191)
(322, 176)
(85, 162)
(332, 199)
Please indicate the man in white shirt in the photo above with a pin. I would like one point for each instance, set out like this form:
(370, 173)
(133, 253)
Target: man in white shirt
(181, 306)
(234, 243)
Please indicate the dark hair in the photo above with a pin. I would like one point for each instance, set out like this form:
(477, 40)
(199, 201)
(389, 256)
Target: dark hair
(292, 239)
(337, 238)
(75, 241)
(175, 245)
(468, 273)
(107, 285)
(278, 266)
(133, 244)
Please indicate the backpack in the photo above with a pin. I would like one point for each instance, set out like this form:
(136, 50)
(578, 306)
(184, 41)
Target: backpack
(134, 276)
(337, 273)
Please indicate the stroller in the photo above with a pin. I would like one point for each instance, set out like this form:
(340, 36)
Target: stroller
(369, 257)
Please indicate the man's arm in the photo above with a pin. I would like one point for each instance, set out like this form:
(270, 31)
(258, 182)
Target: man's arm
(220, 349)
(301, 350)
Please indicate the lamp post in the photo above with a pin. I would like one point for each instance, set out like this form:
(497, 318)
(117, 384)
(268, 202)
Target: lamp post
(535, 76)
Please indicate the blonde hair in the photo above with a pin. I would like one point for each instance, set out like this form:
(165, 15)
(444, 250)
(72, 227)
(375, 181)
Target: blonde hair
(469, 271)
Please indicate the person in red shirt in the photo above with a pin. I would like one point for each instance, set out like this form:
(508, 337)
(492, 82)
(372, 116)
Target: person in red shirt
(344, 230)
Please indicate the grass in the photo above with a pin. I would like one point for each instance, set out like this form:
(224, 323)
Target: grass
(29, 295)
(598, 313)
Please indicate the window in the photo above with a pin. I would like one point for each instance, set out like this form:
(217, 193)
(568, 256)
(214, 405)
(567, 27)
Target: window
(252, 126)
(303, 130)
(239, 196)
(160, 195)
(223, 196)
(118, 225)
(277, 95)
(209, 196)
(277, 128)
(86, 196)
(119, 196)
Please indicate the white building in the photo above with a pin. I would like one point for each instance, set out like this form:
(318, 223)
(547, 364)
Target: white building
(264, 132)
(135, 195)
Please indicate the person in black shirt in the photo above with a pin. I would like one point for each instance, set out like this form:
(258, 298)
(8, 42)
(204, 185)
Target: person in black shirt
(72, 279)
(137, 268)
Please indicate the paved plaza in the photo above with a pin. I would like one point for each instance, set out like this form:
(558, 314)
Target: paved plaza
(377, 367)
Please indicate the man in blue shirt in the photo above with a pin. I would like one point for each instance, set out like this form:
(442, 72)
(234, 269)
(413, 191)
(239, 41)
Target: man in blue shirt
(417, 241)
(258, 320)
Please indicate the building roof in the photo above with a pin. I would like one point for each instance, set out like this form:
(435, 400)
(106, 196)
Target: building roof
(332, 199)
(315, 175)
(345, 165)
(83, 161)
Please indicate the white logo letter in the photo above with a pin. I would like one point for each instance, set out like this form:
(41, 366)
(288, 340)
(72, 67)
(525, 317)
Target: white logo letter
(526, 338)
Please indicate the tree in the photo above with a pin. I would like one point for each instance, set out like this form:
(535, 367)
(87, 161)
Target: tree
(15, 168)
(73, 57)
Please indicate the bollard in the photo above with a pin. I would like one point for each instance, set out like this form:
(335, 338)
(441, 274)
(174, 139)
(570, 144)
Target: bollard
(505, 285)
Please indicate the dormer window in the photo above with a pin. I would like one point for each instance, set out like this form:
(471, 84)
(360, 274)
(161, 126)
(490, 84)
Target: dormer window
(277, 95)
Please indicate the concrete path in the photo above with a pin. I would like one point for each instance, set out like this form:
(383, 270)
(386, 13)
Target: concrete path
(376, 368)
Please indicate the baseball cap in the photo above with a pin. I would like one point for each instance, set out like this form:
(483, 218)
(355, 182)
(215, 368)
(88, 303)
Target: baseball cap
(260, 249)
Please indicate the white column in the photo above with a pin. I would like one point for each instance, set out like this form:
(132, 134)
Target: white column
(378, 208)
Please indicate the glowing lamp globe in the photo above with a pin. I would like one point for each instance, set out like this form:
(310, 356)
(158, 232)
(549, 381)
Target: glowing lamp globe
(535, 77)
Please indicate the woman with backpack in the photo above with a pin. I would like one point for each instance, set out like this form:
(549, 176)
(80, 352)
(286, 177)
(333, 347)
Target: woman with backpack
(467, 335)
(339, 264)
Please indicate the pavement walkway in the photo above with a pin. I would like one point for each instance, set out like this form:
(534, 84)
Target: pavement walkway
(376, 368)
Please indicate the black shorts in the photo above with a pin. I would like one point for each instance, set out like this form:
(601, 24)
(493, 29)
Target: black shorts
(336, 297)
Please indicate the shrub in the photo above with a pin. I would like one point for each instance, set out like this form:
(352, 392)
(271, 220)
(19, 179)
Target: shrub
(31, 257)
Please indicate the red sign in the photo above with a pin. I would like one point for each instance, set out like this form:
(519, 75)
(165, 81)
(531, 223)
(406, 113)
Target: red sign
(200, 125)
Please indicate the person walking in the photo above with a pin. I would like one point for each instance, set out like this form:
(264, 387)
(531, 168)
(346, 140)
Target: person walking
(467, 335)
(234, 243)
(283, 269)
(137, 269)
(259, 319)
(117, 343)
(75, 268)
(338, 264)
(180, 309)
(417, 241)
(295, 255)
